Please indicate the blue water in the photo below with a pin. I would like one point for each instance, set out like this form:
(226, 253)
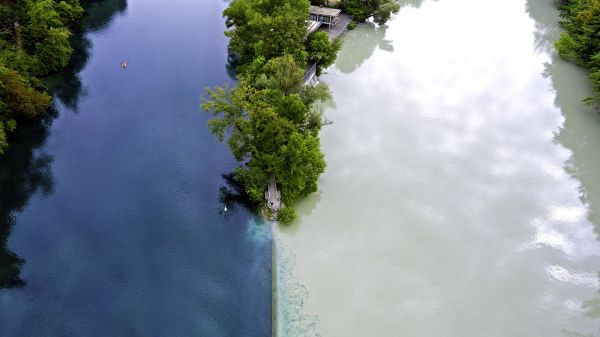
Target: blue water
(110, 212)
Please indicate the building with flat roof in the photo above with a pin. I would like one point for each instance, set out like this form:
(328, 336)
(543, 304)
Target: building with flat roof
(325, 15)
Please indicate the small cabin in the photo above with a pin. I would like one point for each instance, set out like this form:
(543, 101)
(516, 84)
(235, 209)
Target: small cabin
(325, 15)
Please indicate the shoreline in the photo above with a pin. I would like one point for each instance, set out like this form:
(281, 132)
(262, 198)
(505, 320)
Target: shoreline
(274, 298)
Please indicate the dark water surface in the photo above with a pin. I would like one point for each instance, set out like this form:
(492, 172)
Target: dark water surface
(110, 222)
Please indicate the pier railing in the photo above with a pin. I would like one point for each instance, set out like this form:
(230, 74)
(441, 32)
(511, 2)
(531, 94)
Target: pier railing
(310, 73)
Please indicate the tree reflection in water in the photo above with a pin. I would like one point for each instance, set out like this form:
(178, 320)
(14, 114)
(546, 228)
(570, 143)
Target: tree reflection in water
(66, 85)
(233, 195)
(23, 171)
(357, 51)
(581, 128)
(24, 168)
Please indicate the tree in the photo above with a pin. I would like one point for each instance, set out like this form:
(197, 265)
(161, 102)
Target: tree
(269, 118)
(34, 41)
(46, 36)
(284, 74)
(266, 28)
(313, 93)
(19, 99)
(266, 130)
(321, 50)
(5, 128)
(380, 10)
(301, 165)
(54, 52)
(286, 215)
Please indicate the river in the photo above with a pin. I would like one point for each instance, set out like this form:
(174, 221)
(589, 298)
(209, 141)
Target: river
(462, 195)
(111, 221)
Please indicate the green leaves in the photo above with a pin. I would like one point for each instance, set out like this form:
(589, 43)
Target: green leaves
(269, 132)
(266, 28)
(19, 98)
(302, 165)
(284, 74)
(380, 10)
(385, 11)
(36, 44)
(581, 43)
(3, 142)
(565, 46)
(269, 119)
(286, 215)
(321, 50)
(53, 52)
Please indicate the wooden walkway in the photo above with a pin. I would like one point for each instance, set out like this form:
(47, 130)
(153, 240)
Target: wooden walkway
(273, 197)
(310, 75)
(339, 29)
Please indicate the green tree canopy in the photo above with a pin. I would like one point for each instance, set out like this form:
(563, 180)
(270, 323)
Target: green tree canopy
(321, 50)
(380, 10)
(267, 130)
(45, 33)
(270, 119)
(581, 42)
(267, 28)
(286, 215)
(281, 73)
(34, 41)
(18, 100)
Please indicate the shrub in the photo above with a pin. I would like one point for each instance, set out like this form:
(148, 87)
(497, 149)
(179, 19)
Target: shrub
(286, 215)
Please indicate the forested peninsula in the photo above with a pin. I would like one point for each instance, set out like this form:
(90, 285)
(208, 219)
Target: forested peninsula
(34, 42)
(270, 118)
(581, 41)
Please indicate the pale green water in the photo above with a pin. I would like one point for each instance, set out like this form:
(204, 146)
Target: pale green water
(461, 184)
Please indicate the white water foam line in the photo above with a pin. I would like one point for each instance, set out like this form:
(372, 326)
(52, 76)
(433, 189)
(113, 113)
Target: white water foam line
(289, 295)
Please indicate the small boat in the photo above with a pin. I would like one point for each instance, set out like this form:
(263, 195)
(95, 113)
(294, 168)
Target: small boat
(124, 65)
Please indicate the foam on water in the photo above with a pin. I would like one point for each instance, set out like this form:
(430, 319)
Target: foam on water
(291, 294)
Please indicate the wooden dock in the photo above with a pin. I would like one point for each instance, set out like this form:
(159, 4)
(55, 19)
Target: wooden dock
(340, 28)
(273, 197)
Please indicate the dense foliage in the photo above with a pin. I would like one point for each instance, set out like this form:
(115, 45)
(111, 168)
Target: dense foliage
(267, 29)
(380, 10)
(270, 118)
(34, 41)
(321, 50)
(581, 42)
(286, 215)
